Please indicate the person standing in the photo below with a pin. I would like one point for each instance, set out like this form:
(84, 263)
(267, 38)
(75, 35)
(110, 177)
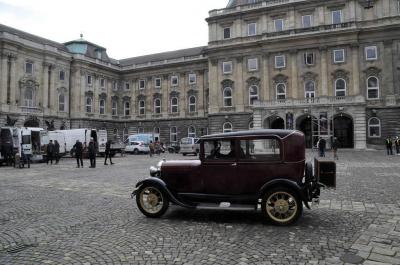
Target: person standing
(78, 147)
(151, 147)
(397, 144)
(50, 152)
(92, 153)
(56, 151)
(389, 145)
(321, 147)
(335, 146)
(108, 152)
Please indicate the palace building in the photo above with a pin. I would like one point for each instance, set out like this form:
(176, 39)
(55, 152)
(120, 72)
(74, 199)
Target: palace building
(327, 68)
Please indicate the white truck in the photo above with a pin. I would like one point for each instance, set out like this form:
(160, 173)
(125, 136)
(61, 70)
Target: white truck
(60, 138)
(84, 136)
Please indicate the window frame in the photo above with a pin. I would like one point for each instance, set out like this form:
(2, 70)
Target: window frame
(59, 102)
(174, 105)
(340, 90)
(227, 97)
(102, 82)
(249, 33)
(311, 20)
(226, 64)
(190, 77)
(192, 134)
(379, 126)
(102, 108)
(306, 54)
(89, 80)
(253, 97)
(142, 109)
(173, 134)
(340, 16)
(61, 75)
(309, 92)
(127, 86)
(157, 107)
(114, 109)
(87, 105)
(255, 60)
(334, 56)
(224, 130)
(31, 67)
(373, 47)
(373, 88)
(282, 24)
(192, 104)
(174, 77)
(230, 33)
(142, 84)
(280, 94)
(127, 108)
(276, 61)
(155, 82)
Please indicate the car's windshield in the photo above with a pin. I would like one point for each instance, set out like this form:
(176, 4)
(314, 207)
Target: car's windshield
(186, 141)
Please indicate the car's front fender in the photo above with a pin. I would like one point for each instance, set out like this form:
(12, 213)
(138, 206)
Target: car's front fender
(151, 181)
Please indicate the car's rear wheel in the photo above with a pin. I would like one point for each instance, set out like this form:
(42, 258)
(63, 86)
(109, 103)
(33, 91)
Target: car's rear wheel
(152, 201)
(136, 151)
(281, 206)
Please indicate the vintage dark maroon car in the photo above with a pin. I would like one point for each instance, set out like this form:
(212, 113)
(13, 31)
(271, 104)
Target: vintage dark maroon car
(254, 169)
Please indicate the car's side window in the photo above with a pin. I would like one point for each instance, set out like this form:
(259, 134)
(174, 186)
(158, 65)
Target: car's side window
(261, 149)
(219, 150)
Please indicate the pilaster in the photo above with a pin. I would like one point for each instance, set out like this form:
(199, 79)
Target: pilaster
(45, 85)
(387, 73)
(13, 79)
(266, 78)
(356, 70)
(294, 82)
(324, 72)
(3, 78)
(214, 86)
(239, 85)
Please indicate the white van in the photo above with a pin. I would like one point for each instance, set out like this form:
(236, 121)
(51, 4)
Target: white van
(189, 145)
(83, 135)
(60, 138)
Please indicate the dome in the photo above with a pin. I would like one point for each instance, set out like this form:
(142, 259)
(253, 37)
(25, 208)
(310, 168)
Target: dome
(232, 3)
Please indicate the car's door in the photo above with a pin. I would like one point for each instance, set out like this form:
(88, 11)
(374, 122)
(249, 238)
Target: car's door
(218, 168)
(261, 162)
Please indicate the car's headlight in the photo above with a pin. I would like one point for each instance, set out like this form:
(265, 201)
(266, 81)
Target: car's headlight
(154, 171)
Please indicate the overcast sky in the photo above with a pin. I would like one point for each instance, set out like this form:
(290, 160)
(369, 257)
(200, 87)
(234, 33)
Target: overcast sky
(126, 28)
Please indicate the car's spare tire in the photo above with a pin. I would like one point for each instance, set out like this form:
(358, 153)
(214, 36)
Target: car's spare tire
(281, 206)
(152, 201)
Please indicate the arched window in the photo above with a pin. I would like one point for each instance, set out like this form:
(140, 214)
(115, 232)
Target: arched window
(227, 97)
(374, 128)
(61, 102)
(192, 131)
(281, 91)
(114, 108)
(89, 102)
(227, 127)
(173, 134)
(192, 104)
(309, 89)
(372, 87)
(142, 106)
(127, 108)
(174, 105)
(102, 106)
(28, 97)
(253, 94)
(156, 130)
(340, 87)
(157, 106)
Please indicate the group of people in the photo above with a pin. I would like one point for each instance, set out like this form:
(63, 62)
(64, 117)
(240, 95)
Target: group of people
(321, 145)
(156, 148)
(7, 152)
(389, 142)
(53, 152)
(92, 148)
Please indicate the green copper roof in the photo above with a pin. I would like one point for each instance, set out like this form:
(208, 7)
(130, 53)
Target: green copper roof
(77, 47)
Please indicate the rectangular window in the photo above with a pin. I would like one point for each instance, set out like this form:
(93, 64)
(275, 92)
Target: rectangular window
(279, 24)
(29, 68)
(114, 108)
(174, 80)
(102, 83)
(309, 58)
(62, 75)
(157, 82)
(114, 85)
(227, 67)
(141, 107)
(252, 64)
(251, 29)
(219, 150)
(127, 87)
(338, 56)
(307, 21)
(192, 79)
(280, 61)
(227, 33)
(371, 53)
(89, 80)
(260, 150)
(336, 16)
(142, 84)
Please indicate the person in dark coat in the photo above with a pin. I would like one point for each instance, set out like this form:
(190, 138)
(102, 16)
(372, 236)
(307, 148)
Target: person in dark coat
(389, 145)
(108, 152)
(50, 152)
(78, 147)
(335, 146)
(92, 153)
(397, 144)
(321, 147)
(56, 151)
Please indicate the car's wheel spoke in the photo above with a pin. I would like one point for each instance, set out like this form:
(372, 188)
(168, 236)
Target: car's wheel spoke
(281, 206)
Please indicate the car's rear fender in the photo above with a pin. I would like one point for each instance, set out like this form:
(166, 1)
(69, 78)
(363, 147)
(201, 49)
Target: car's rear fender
(283, 183)
(160, 184)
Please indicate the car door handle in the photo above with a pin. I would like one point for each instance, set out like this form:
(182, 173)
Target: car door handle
(234, 164)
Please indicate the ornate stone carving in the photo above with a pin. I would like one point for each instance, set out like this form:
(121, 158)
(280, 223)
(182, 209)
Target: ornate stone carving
(50, 125)
(89, 93)
(367, 3)
(157, 95)
(126, 98)
(340, 73)
(32, 121)
(372, 71)
(192, 92)
(227, 83)
(141, 97)
(280, 78)
(253, 81)
(114, 97)
(174, 94)
(11, 122)
(309, 76)
(103, 95)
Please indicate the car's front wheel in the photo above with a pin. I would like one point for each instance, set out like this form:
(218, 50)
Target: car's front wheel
(152, 201)
(281, 206)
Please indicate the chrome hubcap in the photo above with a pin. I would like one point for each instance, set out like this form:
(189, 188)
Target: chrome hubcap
(281, 206)
(151, 200)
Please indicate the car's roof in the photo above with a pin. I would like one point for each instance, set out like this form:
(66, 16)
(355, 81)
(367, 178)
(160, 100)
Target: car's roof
(262, 132)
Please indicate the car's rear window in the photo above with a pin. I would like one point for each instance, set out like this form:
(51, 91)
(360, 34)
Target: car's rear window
(186, 141)
(261, 149)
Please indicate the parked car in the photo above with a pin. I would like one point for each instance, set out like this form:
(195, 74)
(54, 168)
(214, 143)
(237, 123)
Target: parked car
(137, 147)
(251, 169)
(189, 145)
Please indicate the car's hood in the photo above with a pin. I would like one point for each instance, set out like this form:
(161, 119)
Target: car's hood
(178, 167)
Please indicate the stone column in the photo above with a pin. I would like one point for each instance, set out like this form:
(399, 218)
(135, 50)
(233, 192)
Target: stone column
(356, 70)
(81, 89)
(387, 73)
(45, 85)
(3, 78)
(321, 15)
(257, 118)
(294, 81)
(13, 80)
(201, 86)
(239, 86)
(360, 134)
(52, 88)
(165, 92)
(266, 78)
(324, 72)
(95, 86)
(213, 86)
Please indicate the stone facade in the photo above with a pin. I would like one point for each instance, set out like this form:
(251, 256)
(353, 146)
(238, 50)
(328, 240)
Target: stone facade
(328, 68)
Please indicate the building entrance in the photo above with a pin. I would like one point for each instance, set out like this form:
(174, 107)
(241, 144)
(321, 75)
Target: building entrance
(304, 124)
(344, 131)
(274, 122)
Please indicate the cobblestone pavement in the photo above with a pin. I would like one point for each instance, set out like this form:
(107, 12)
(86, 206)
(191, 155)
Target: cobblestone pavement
(65, 215)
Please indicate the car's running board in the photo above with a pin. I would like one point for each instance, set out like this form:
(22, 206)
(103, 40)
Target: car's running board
(226, 206)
